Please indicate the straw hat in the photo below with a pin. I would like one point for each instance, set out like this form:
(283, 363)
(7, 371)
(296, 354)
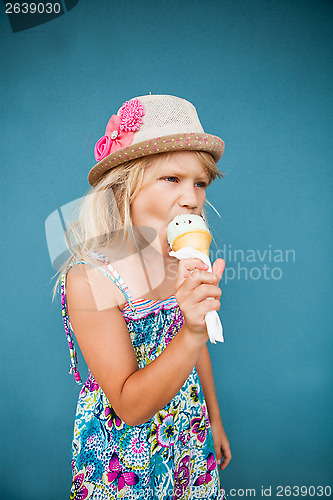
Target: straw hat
(151, 124)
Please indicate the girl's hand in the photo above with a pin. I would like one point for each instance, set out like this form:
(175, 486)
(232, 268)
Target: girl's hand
(194, 285)
(221, 445)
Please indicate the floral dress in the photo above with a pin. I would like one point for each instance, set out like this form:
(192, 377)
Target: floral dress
(169, 457)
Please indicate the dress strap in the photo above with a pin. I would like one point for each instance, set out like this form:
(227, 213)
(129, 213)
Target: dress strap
(115, 277)
(68, 327)
(117, 280)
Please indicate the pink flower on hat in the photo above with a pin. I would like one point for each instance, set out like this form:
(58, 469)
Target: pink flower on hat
(120, 130)
(131, 114)
(113, 139)
(102, 147)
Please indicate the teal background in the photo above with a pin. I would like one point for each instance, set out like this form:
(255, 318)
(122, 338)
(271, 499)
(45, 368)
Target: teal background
(260, 74)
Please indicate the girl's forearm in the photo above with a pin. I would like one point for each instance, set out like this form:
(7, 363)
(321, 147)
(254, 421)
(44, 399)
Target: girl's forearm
(205, 372)
(149, 389)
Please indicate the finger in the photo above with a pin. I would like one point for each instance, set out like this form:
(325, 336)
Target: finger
(195, 314)
(191, 265)
(194, 262)
(205, 291)
(225, 463)
(226, 459)
(197, 278)
(218, 268)
(201, 309)
(186, 267)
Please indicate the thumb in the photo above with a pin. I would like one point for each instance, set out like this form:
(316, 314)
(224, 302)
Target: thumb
(218, 268)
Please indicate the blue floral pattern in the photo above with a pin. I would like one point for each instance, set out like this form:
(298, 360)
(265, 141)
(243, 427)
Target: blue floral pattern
(169, 457)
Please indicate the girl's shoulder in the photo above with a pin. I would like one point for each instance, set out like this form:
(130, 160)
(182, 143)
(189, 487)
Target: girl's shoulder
(92, 286)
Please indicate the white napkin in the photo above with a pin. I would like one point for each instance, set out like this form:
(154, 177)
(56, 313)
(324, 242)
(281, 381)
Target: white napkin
(213, 322)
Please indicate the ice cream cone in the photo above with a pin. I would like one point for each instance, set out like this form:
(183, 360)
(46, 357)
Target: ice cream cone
(187, 234)
(199, 240)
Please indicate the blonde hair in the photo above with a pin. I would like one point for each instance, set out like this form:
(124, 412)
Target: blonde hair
(106, 208)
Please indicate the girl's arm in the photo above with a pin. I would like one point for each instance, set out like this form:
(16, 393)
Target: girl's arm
(221, 443)
(137, 394)
(205, 372)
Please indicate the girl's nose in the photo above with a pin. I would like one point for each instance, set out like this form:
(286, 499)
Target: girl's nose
(189, 198)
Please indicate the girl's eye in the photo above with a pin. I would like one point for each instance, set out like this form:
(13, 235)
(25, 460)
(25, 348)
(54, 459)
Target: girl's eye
(170, 179)
(200, 184)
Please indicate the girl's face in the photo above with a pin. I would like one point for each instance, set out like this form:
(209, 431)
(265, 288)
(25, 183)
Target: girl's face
(169, 188)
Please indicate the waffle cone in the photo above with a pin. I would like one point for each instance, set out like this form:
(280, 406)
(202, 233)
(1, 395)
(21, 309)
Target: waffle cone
(199, 240)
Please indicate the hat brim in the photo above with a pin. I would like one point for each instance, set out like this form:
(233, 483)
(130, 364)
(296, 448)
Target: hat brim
(177, 142)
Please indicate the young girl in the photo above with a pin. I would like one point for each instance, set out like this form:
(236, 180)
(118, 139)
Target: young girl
(147, 425)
